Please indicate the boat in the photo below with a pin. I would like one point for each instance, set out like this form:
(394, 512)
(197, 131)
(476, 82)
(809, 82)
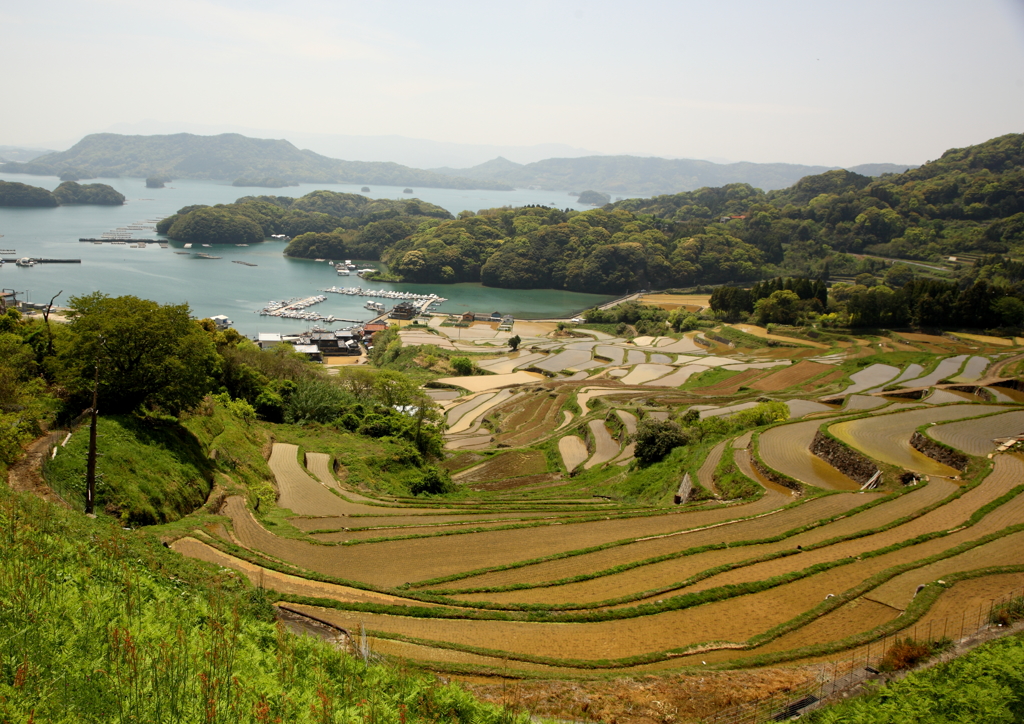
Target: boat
(188, 246)
(25, 261)
(343, 273)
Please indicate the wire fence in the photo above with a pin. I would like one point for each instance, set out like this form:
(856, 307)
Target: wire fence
(840, 675)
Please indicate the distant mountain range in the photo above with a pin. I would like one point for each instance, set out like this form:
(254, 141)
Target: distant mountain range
(636, 176)
(231, 156)
(227, 157)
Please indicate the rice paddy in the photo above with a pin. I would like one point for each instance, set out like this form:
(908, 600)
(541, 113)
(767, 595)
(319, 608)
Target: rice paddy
(547, 562)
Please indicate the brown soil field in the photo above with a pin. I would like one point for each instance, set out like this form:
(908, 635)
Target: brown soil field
(799, 373)
(823, 381)
(302, 494)
(899, 592)
(930, 338)
(606, 446)
(573, 450)
(628, 420)
(516, 483)
(975, 436)
(673, 301)
(787, 449)
(731, 385)
(320, 465)
(282, 582)
(425, 518)
(1000, 481)
(391, 563)
(732, 620)
(657, 574)
(966, 605)
(985, 339)
(706, 474)
(505, 465)
(887, 437)
(461, 460)
(546, 418)
(669, 572)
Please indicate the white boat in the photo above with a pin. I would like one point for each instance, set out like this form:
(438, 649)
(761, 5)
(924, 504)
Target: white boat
(25, 261)
(343, 273)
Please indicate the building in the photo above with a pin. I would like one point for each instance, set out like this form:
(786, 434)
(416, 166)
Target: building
(221, 321)
(311, 351)
(404, 310)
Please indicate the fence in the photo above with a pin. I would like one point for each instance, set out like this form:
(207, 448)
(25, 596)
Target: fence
(840, 675)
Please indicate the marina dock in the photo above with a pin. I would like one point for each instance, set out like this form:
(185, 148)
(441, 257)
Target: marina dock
(14, 259)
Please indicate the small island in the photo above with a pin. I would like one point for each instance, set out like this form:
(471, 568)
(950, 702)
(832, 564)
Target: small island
(594, 198)
(22, 195)
(407, 191)
(364, 189)
(71, 192)
(157, 182)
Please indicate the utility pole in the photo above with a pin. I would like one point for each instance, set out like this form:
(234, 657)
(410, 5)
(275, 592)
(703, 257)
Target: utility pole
(90, 468)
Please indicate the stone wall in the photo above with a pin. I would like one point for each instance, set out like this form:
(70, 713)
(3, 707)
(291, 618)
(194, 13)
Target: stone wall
(941, 453)
(852, 464)
(773, 476)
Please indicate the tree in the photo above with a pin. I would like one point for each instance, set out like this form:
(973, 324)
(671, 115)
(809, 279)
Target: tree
(514, 342)
(462, 365)
(149, 354)
(782, 307)
(655, 439)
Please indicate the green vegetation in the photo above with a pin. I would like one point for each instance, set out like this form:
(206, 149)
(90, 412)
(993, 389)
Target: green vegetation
(100, 624)
(151, 471)
(594, 198)
(17, 194)
(71, 192)
(225, 157)
(157, 182)
(323, 223)
(983, 686)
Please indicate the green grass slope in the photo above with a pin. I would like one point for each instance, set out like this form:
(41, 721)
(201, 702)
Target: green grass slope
(102, 625)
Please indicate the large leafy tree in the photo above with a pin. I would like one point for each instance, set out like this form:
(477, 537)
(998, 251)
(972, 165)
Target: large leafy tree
(148, 354)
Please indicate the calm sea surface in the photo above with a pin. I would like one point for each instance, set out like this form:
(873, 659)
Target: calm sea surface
(216, 286)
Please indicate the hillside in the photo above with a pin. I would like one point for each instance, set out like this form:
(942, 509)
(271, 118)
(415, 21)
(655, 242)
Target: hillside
(634, 175)
(13, 193)
(226, 157)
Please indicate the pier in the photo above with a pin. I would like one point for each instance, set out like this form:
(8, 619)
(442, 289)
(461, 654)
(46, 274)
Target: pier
(14, 259)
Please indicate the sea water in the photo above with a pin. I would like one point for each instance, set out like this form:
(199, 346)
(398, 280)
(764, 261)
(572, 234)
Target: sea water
(217, 286)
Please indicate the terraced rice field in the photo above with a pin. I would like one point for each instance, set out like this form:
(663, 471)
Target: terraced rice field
(573, 451)
(887, 437)
(646, 372)
(787, 448)
(605, 445)
(975, 437)
(870, 377)
(559, 545)
(799, 373)
(945, 369)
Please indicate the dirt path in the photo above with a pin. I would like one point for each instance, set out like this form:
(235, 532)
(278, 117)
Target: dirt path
(25, 475)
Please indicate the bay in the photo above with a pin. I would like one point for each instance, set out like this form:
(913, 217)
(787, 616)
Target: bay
(217, 286)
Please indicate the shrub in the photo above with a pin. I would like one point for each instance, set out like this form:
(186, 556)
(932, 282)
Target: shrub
(905, 654)
(462, 365)
(434, 481)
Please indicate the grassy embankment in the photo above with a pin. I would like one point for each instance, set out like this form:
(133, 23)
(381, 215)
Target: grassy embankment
(100, 624)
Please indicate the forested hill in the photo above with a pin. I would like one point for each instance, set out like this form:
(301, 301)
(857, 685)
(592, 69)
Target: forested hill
(226, 157)
(969, 201)
(634, 175)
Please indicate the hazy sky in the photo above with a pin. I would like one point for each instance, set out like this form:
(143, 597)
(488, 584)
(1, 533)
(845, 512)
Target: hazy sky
(823, 82)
